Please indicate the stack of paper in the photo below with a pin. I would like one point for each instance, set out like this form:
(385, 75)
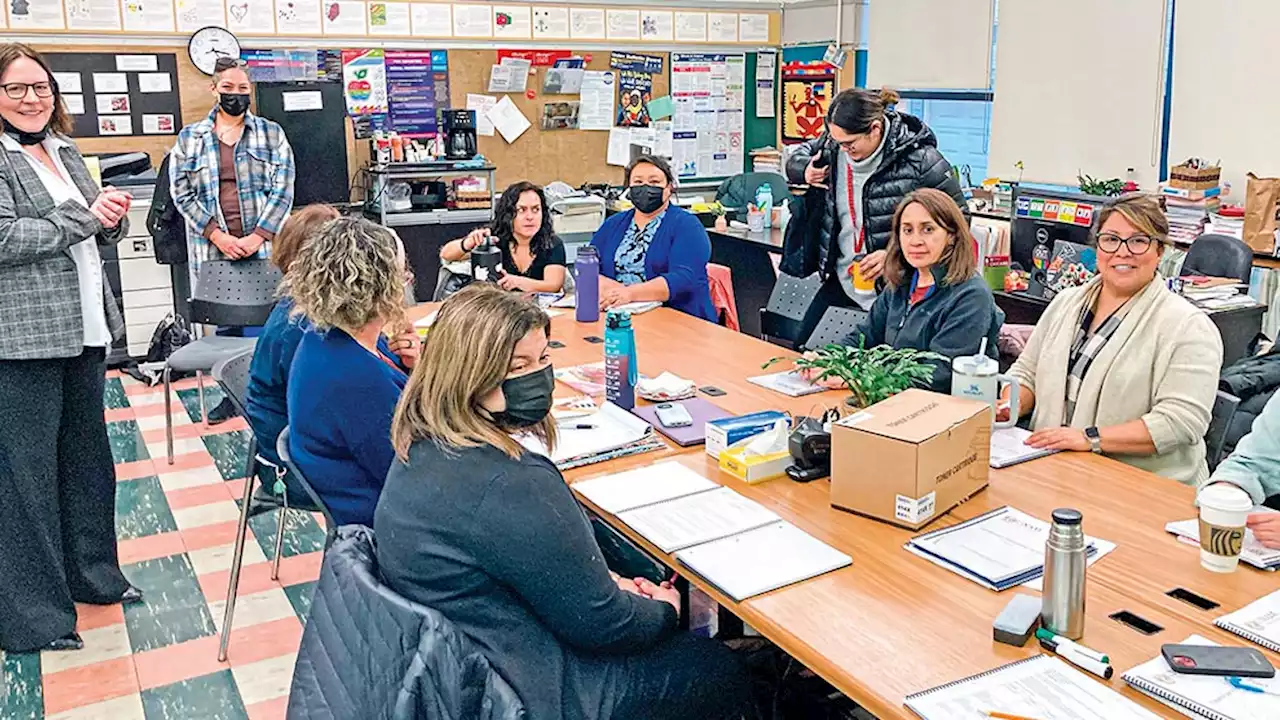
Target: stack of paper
(1207, 696)
(1254, 552)
(613, 429)
(1009, 447)
(998, 549)
(789, 383)
(1259, 622)
(733, 542)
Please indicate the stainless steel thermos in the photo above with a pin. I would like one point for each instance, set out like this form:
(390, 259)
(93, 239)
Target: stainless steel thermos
(1064, 574)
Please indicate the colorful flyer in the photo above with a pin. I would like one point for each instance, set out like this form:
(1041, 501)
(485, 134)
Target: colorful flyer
(635, 89)
(364, 81)
(389, 18)
(635, 62)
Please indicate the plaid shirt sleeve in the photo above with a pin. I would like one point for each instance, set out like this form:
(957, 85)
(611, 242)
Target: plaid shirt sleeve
(187, 195)
(280, 201)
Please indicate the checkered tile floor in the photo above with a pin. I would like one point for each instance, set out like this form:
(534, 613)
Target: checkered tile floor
(176, 523)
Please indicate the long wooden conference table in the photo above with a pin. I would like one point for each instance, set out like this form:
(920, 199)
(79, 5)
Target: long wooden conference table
(892, 623)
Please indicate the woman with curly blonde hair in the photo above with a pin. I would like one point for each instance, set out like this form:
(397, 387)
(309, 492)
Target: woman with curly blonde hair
(348, 283)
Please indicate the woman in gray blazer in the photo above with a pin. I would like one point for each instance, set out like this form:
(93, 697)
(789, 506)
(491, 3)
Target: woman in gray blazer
(57, 319)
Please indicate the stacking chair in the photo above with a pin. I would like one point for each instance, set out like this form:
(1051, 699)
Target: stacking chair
(1224, 409)
(232, 375)
(1219, 256)
(781, 319)
(836, 325)
(282, 450)
(240, 293)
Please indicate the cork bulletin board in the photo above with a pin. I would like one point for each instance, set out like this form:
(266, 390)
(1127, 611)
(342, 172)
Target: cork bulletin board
(541, 156)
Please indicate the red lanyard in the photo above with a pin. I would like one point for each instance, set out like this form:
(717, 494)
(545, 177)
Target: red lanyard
(860, 240)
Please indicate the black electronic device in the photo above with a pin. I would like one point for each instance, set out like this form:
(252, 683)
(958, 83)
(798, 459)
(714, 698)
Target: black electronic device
(810, 447)
(1217, 660)
(1043, 217)
(459, 127)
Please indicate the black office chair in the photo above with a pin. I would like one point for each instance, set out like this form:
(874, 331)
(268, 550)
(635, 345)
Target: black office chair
(240, 293)
(836, 325)
(1219, 256)
(782, 317)
(1224, 409)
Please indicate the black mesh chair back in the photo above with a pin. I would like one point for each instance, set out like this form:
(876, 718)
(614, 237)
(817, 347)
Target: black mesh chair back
(790, 299)
(1219, 256)
(239, 294)
(1224, 409)
(282, 449)
(232, 375)
(836, 325)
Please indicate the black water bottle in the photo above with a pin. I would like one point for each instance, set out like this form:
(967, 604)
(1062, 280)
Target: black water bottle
(486, 261)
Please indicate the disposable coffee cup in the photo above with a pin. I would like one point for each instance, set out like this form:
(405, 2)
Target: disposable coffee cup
(1224, 508)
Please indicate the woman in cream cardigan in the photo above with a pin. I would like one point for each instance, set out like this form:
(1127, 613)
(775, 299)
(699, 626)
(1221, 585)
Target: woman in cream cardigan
(1123, 366)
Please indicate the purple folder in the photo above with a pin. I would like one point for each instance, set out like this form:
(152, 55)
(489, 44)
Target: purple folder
(700, 410)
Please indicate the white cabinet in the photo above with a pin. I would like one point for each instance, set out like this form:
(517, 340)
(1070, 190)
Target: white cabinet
(146, 286)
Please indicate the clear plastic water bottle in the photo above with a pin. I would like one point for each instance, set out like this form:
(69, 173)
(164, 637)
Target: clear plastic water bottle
(764, 203)
(586, 283)
(620, 370)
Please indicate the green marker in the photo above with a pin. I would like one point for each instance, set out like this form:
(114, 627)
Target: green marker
(1043, 634)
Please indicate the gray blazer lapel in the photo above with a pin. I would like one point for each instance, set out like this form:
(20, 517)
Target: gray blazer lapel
(79, 173)
(29, 183)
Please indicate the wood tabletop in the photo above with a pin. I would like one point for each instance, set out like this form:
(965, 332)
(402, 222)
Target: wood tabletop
(893, 623)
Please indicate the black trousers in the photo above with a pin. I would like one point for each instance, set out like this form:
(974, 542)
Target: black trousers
(831, 294)
(57, 498)
(685, 677)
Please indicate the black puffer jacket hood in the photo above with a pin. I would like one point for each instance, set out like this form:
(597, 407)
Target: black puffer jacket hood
(911, 160)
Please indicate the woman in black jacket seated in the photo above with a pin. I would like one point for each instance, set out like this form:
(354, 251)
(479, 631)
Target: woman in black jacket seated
(488, 533)
(870, 157)
(934, 299)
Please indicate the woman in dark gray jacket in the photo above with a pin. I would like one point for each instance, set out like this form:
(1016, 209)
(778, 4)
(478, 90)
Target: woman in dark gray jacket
(473, 525)
(934, 299)
(870, 157)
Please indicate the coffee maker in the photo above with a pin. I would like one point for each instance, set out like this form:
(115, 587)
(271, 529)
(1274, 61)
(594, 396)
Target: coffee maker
(459, 128)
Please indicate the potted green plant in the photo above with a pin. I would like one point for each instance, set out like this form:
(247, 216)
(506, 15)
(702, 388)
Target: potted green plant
(871, 374)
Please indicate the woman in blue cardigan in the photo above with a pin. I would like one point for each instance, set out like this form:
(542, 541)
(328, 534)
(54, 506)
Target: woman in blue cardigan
(656, 252)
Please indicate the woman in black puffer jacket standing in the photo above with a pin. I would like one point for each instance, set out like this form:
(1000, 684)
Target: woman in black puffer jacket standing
(870, 157)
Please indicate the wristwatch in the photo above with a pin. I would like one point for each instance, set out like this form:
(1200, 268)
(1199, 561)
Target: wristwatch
(1095, 440)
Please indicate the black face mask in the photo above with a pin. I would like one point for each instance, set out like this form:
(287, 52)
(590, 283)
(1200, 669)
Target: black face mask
(234, 104)
(23, 137)
(647, 198)
(528, 399)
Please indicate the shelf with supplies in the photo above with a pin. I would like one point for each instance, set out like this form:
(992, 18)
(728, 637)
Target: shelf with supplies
(434, 193)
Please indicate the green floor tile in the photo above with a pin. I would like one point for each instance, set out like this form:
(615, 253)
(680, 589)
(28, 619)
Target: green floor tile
(127, 444)
(208, 697)
(191, 399)
(174, 610)
(113, 394)
(230, 452)
(21, 693)
(141, 509)
(302, 534)
(300, 597)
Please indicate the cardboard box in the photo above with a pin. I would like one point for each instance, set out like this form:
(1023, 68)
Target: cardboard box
(727, 431)
(910, 458)
(754, 468)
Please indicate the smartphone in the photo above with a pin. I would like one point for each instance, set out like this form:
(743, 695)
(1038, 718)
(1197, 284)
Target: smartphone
(1217, 660)
(673, 416)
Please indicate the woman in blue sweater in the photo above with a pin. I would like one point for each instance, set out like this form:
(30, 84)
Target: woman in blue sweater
(346, 378)
(265, 404)
(656, 252)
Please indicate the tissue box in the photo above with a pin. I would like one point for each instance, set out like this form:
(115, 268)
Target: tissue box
(754, 468)
(727, 431)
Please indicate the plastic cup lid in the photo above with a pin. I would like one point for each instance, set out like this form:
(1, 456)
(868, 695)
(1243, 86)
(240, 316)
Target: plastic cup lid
(1227, 497)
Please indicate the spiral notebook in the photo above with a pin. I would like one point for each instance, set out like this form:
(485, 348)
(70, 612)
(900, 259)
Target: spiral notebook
(1036, 687)
(1206, 696)
(1257, 622)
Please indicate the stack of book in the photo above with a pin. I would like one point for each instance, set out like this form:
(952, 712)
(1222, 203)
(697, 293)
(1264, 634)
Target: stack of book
(1188, 211)
(766, 159)
(1227, 221)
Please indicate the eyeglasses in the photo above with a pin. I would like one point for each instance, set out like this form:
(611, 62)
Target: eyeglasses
(1137, 244)
(18, 91)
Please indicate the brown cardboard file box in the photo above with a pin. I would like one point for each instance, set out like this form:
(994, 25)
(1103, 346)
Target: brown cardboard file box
(911, 458)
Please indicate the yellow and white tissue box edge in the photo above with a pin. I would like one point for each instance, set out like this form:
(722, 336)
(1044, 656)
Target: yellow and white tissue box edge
(754, 468)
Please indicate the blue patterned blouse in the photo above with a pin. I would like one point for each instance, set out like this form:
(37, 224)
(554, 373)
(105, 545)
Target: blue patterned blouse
(629, 262)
